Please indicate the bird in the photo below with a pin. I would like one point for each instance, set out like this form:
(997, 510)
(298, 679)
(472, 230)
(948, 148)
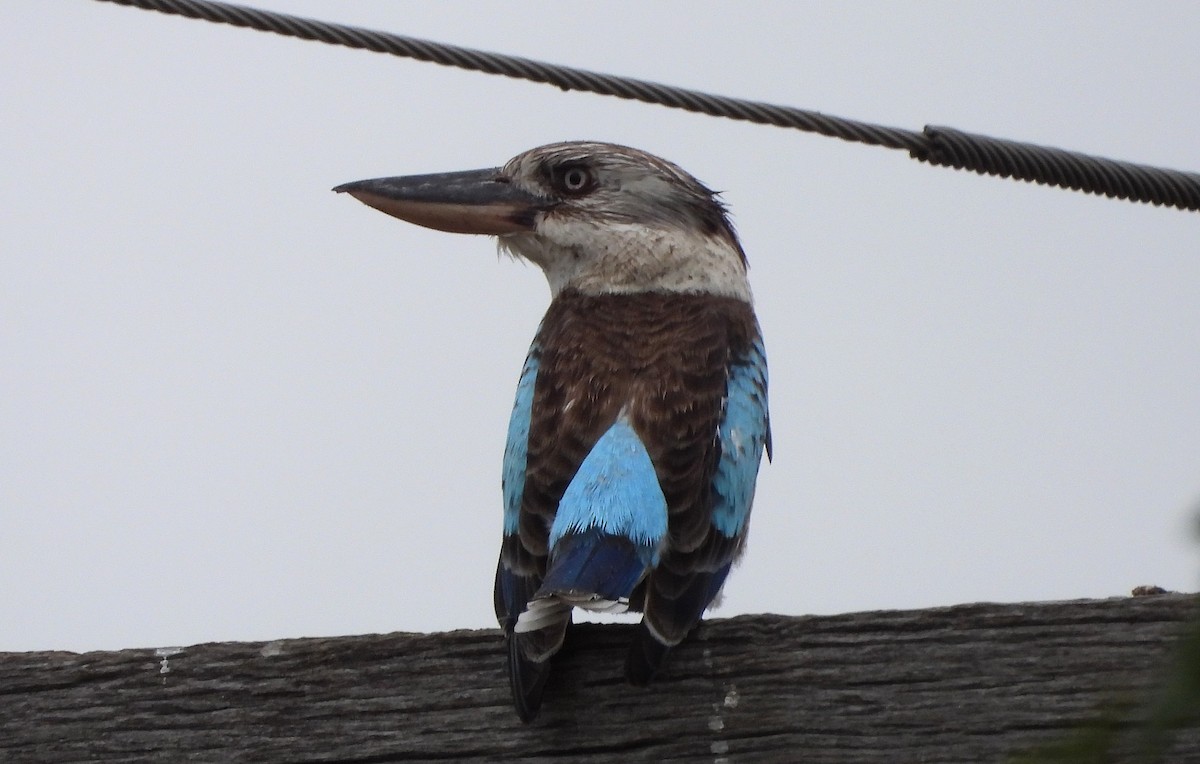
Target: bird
(640, 418)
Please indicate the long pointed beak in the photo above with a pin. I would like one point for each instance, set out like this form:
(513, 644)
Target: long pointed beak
(475, 201)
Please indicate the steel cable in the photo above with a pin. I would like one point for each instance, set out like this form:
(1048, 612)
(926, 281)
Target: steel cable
(942, 146)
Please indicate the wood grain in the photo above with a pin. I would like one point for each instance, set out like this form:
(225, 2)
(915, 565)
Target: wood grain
(970, 683)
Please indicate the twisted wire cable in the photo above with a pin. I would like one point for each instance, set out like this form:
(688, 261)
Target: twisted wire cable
(941, 146)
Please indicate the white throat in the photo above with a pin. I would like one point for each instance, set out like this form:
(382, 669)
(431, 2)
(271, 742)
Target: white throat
(625, 258)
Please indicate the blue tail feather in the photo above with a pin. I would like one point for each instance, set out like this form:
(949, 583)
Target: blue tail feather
(596, 563)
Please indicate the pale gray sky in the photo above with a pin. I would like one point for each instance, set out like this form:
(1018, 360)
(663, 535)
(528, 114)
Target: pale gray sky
(234, 405)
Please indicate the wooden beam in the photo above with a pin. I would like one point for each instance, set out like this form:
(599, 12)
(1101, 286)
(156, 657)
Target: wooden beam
(957, 684)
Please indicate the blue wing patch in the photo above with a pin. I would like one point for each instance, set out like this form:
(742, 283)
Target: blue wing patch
(609, 525)
(516, 448)
(744, 432)
(616, 491)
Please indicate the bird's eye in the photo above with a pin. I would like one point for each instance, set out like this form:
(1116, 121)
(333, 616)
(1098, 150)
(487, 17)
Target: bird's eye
(575, 179)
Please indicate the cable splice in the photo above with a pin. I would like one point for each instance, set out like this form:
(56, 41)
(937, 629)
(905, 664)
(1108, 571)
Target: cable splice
(1057, 167)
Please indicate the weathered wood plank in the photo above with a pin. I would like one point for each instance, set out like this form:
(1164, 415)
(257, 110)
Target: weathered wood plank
(959, 684)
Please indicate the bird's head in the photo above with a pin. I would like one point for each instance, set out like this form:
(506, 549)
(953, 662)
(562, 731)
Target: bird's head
(596, 217)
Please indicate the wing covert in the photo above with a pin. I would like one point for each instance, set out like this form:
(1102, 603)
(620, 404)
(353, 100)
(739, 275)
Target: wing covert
(516, 447)
(744, 433)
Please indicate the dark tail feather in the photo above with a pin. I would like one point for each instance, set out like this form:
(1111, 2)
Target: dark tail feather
(646, 656)
(673, 604)
(527, 678)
